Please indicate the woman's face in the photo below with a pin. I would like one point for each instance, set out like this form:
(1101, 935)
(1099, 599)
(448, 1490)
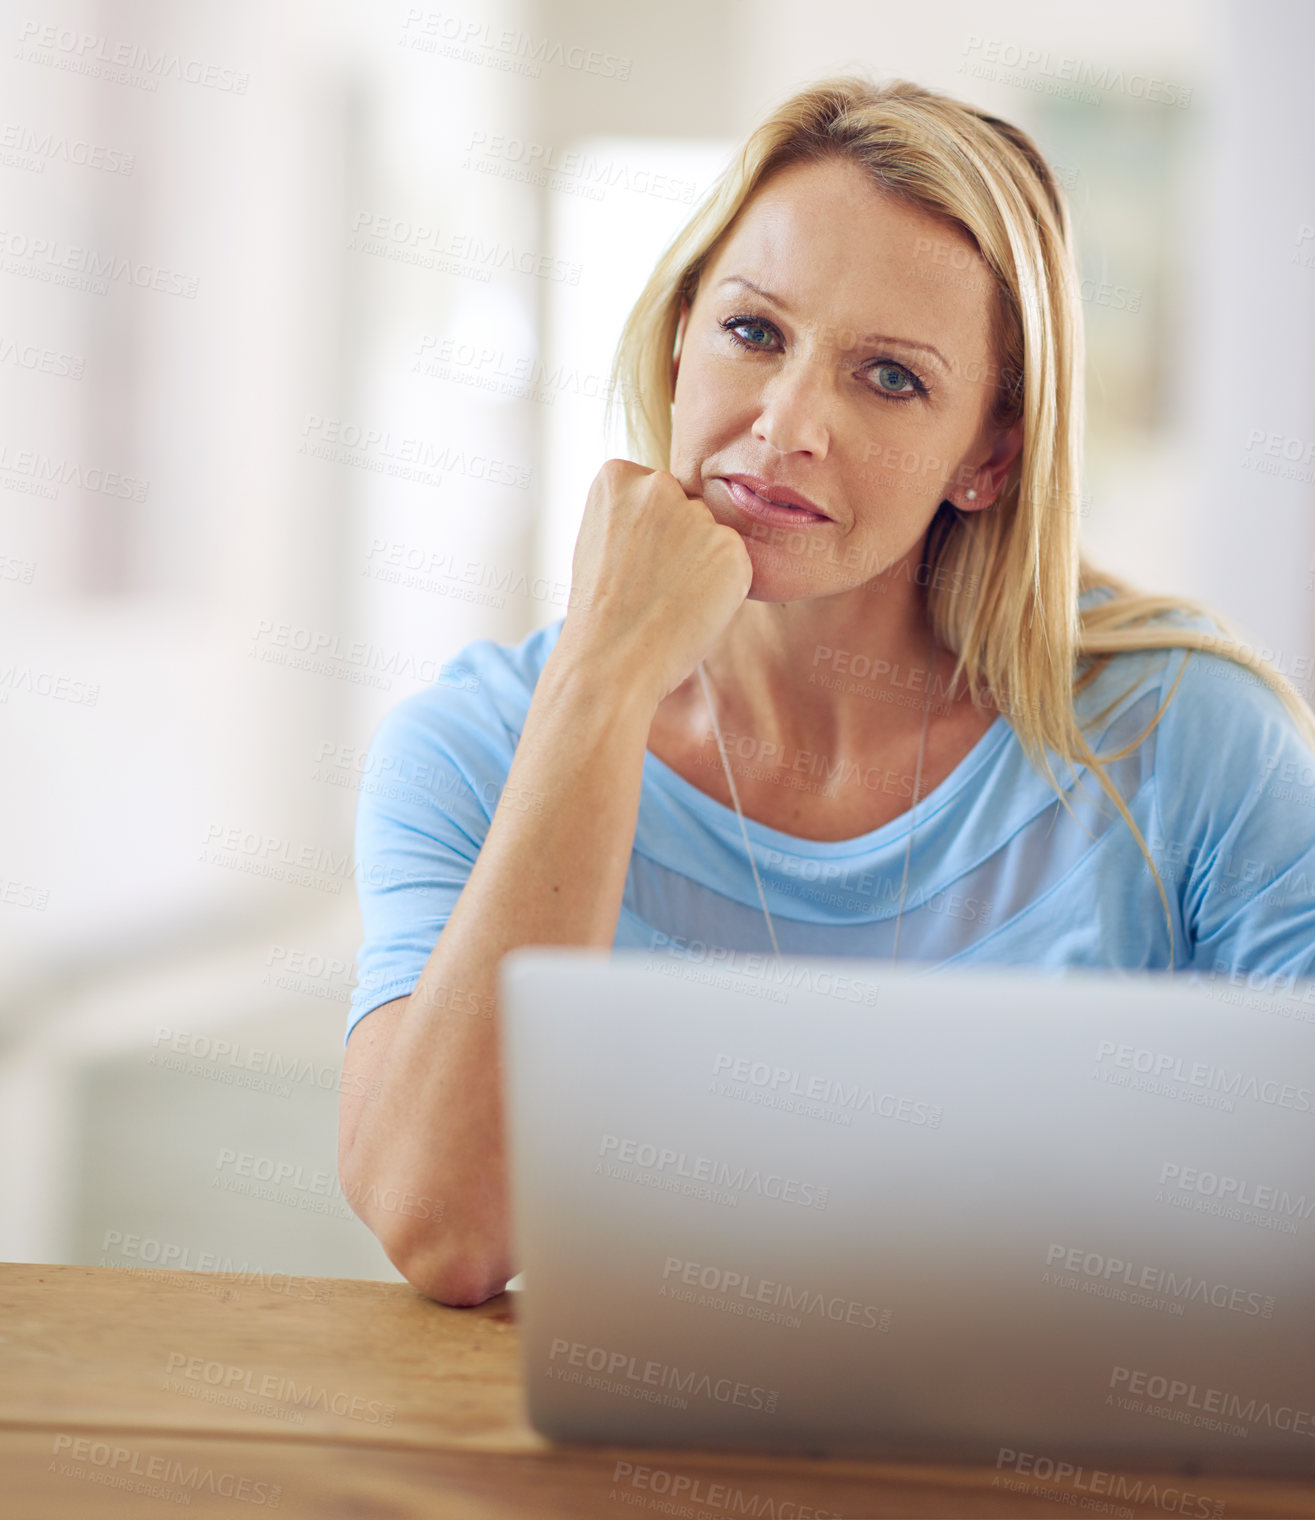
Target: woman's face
(839, 347)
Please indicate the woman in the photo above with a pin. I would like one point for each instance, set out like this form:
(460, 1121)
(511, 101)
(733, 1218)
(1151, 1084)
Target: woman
(843, 577)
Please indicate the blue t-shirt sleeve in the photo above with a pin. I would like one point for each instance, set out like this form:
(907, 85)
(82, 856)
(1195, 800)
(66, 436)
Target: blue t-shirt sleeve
(1235, 781)
(419, 828)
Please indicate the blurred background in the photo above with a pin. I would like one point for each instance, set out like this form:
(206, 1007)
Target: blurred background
(306, 313)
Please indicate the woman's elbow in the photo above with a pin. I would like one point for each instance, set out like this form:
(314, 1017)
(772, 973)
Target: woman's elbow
(444, 1265)
(458, 1279)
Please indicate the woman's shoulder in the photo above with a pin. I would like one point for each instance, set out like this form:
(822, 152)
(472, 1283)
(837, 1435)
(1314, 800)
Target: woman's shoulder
(481, 693)
(1221, 717)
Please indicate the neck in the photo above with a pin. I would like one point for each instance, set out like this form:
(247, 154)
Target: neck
(834, 673)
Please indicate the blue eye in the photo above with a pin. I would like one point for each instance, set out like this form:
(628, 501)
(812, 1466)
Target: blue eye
(759, 333)
(895, 374)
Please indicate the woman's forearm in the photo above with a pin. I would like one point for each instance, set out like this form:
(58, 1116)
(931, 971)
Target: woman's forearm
(551, 871)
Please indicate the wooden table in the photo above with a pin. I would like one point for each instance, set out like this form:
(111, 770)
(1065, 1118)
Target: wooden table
(121, 1391)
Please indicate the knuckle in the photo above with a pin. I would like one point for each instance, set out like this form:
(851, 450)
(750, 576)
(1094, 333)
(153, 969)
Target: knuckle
(659, 483)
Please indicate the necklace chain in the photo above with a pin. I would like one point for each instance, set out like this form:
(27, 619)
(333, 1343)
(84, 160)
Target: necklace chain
(744, 833)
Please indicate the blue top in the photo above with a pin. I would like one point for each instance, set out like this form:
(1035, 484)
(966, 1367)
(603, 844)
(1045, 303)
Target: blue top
(1223, 791)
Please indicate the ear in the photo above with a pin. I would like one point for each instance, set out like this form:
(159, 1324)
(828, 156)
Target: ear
(680, 341)
(986, 478)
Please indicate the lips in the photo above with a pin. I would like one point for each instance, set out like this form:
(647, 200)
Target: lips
(770, 501)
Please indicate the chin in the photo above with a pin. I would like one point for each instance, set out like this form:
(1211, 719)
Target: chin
(782, 577)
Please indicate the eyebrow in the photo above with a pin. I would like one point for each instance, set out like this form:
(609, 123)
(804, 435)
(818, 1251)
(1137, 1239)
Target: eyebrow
(738, 279)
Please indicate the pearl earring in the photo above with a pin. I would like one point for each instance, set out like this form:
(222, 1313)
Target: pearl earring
(971, 495)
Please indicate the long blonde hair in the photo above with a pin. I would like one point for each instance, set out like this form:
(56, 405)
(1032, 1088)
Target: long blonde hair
(1002, 584)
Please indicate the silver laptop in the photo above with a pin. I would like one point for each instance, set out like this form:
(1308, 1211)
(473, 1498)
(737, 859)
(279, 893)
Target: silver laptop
(835, 1207)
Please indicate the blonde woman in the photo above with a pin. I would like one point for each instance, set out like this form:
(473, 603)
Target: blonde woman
(835, 678)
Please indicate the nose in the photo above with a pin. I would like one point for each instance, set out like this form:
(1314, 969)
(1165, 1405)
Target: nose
(793, 415)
